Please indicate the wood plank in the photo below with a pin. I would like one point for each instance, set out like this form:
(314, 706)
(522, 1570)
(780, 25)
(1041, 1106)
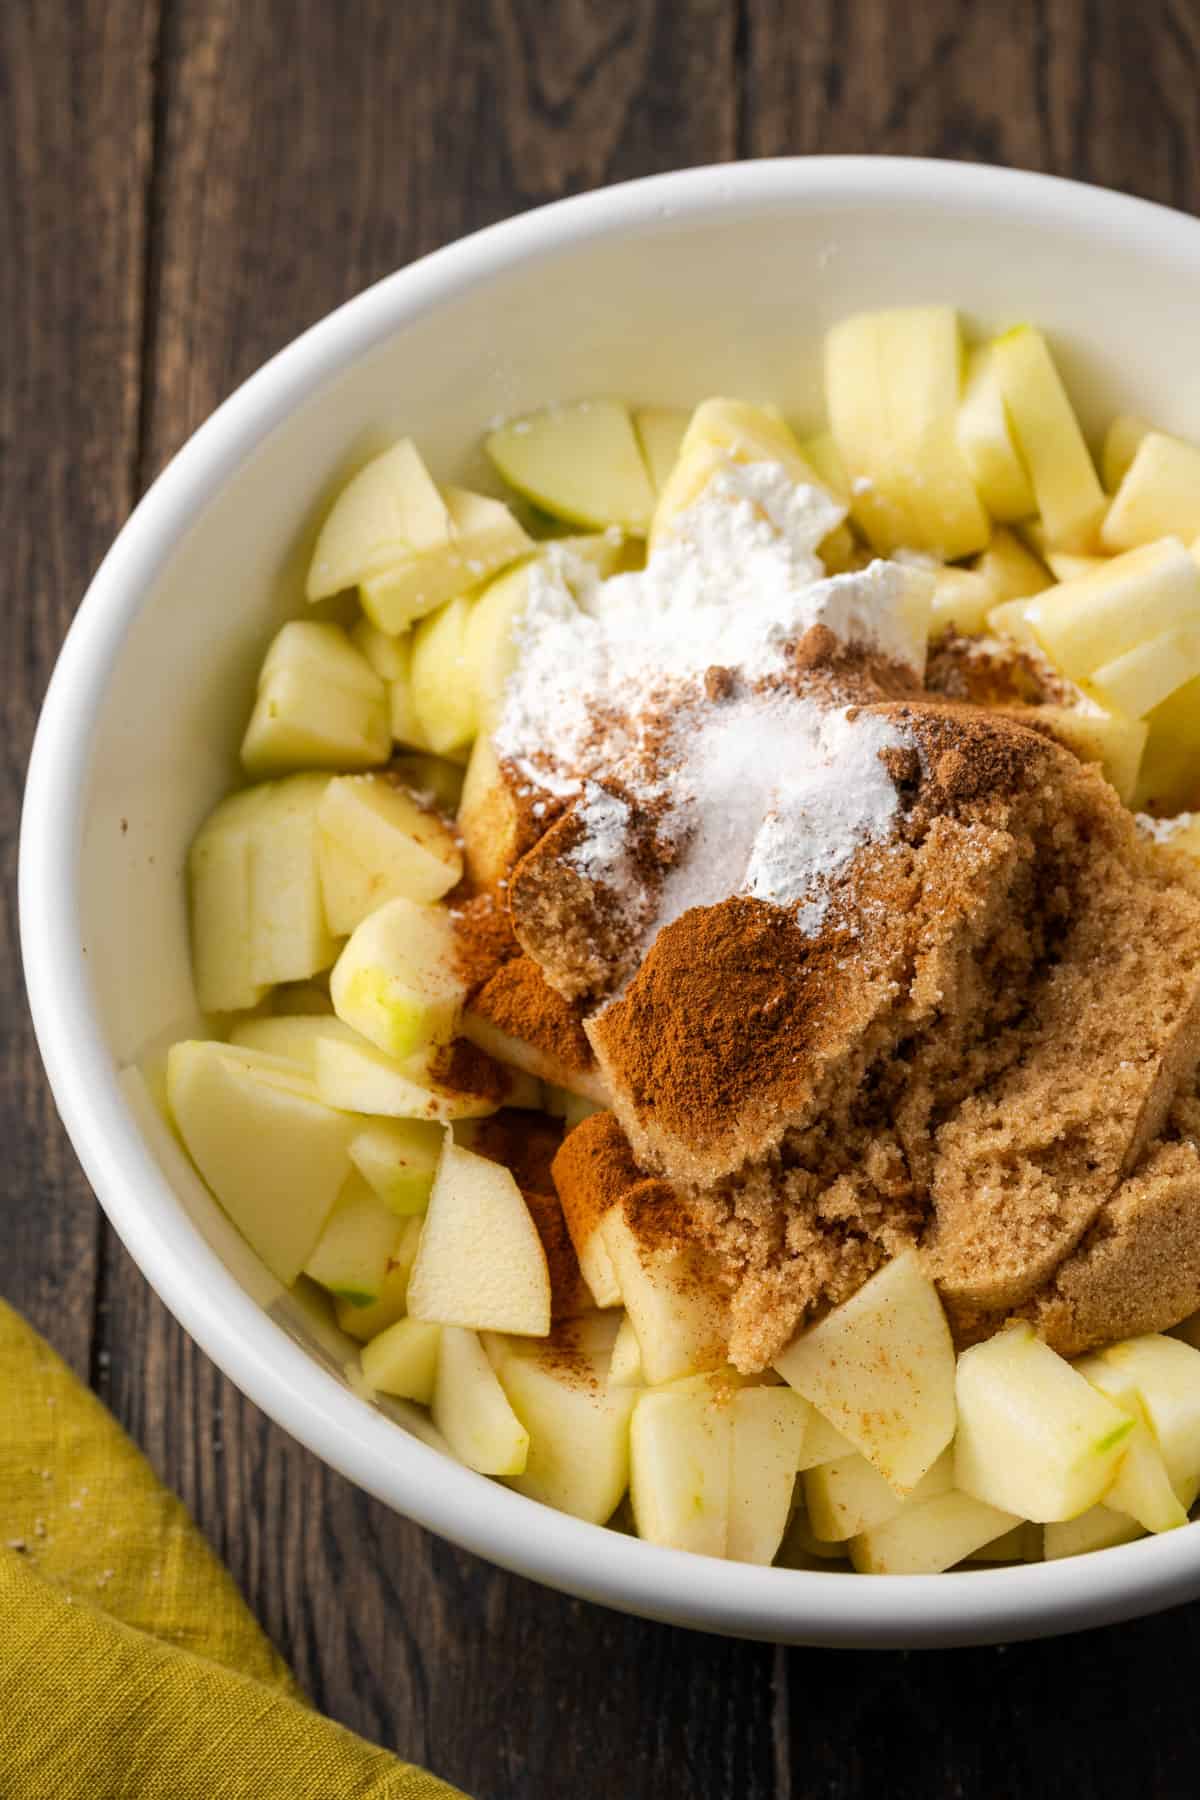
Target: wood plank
(287, 182)
(75, 96)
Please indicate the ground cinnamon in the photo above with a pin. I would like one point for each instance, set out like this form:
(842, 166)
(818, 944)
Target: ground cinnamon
(592, 1170)
(518, 1000)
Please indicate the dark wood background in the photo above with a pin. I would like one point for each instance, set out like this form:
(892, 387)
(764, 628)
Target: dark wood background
(184, 185)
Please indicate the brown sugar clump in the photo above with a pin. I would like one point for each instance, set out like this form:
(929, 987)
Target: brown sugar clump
(520, 1001)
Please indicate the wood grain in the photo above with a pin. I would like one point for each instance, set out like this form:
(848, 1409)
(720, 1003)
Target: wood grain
(75, 93)
(185, 186)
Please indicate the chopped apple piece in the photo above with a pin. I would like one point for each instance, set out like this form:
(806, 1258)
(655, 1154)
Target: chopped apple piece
(986, 441)
(681, 1443)
(398, 1158)
(470, 1409)
(402, 1360)
(489, 653)
(1140, 679)
(679, 1324)
(892, 381)
(1048, 439)
(1108, 738)
(481, 1261)
(351, 1255)
(352, 1074)
(1159, 495)
(1166, 1374)
(578, 1424)
(1084, 624)
(221, 918)
(391, 659)
(293, 1035)
(442, 691)
(801, 1550)
(366, 1322)
(1034, 1437)
(397, 981)
(291, 937)
(1169, 781)
(881, 1369)
(581, 463)
(822, 1443)
(927, 1538)
(962, 599)
(660, 432)
(825, 459)
(380, 837)
(272, 1153)
(1142, 1485)
(487, 817)
(436, 780)
(320, 705)
(1008, 620)
(1099, 1528)
(483, 538)
(390, 511)
(625, 1366)
(769, 1424)
(1121, 441)
(1066, 565)
(541, 1064)
(847, 1497)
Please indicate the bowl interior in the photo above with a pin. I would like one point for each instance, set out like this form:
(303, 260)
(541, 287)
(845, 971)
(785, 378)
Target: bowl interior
(723, 281)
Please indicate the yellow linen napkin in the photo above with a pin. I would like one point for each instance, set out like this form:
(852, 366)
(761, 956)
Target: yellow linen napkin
(130, 1668)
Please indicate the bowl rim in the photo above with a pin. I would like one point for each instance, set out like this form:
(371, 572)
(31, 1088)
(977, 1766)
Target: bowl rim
(594, 1563)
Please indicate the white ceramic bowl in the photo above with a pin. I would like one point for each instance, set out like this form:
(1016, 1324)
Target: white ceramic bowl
(717, 280)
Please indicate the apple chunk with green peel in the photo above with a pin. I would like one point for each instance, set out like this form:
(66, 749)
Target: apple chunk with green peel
(1034, 1437)
(273, 1154)
(769, 1424)
(926, 1538)
(470, 1409)
(398, 1158)
(366, 1322)
(681, 1455)
(377, 843)
(397, 980)
(320, 705)
(578, 1424)
(481, 1263)
(880, 1367)
(1142, 1485)
(402, 1360)
(351, 1255)
(580, 462)
(484, 537)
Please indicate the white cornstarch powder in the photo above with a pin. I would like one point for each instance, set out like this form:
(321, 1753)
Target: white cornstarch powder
(767, 793)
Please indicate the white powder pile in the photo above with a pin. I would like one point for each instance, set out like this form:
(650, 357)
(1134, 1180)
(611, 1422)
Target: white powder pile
(768, 794)
(1163, 830)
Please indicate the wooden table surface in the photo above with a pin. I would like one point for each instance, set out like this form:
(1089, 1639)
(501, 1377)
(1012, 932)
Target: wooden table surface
(185, 185)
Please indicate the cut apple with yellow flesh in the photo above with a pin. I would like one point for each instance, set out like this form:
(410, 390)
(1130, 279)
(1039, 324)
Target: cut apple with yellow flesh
(680, 1325)
(1140, 679)
(928, 1538)
(578, 1425)
(388, 513)
(484, 537)
(442, 692)
(391, 659)
(398, 1158)
(481, 1263)
(625, 1365)
(1169, 781)
(962, 599)
(378, 843)
(1121, 441)
(1085, 624)
(880, 1367)
(487, 817)
(397, 980)
(660, 432)
(1142, 1485)
(769, 1425)
(366, 1322)
(1166, 1376)
(320, 705)
(471, 1411)
(1099, 1528)
(291, 936)
(221, 917)
(847, 1497)
(350, 1258)
(822, 1443)
(489, 652)
(986, 441)
(275, 1157)
(543, 1065)
(1034, 1437)
(822, 455)
(1110, 739)
(1048, 440)
(402, 1361)
(892, 383)
(581, 463)
(681, 1457)
(1159, 495)
(1066, 565)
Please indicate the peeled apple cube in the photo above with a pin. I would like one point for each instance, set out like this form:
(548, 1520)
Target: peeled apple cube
(376, 831)
(1121, 442)
(880, 1367)
(825, 459)
(681, 1459)
(847, 1497)
(1099, 1528)
(962, 599)
(1086, 624)
(578, 1426)
(1166, 1375)
(221, 922)
(986, 441)
(892, 381)
(390, 511)
(1169, 781)
(580, 462)
(1107, 738)
(1011, 571)
(1159, 495)
(366, 1322)
(769, 1424)
(1034, 1437)
(484, 537)
(660, 432)
(320, 705)
(679, 1325)
(625, 1364)
(489, 648)
(442, 691)
(481, 1263)
(291, 936)
(487, 817)
(471, 1411)
(402, 1360)
(1008, 620)
(398, 1158)
(1138, 680)
(397, 980)
(720, 432)
(822, 1443)
(1066, 566)
(391, 659)
(273, 1155)
(351, 1255)
(930, 1537)
(353, 1075)
(1048, 439)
